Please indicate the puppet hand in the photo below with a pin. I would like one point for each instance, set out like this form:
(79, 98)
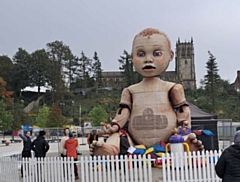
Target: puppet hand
(185, 123)
(108, 128)
(193, 142)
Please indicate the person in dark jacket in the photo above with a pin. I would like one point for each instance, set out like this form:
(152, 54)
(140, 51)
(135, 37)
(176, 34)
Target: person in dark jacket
(40, 146)
(228, 165)
(26, 152)
(92, 136)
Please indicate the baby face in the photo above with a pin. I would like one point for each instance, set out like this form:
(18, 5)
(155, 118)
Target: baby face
(151, 55)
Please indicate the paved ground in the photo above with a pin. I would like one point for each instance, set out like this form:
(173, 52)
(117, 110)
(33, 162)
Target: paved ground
(14, 148)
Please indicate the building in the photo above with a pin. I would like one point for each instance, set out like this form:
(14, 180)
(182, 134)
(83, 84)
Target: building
(184, 69)
(113, 79)
(236, 83)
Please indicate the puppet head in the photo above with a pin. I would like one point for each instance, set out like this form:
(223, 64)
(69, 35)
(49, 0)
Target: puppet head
(151, 52)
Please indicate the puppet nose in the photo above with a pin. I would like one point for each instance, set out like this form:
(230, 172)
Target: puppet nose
(148, 61)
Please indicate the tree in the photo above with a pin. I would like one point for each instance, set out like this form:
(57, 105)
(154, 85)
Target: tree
(4, 94)
(6, 118)
(98, 115)
(97, 72)
(55, 117)
(42, 119)
(211, 80)
(21, 70)
(6, 67)
(39, 69)
(71, 67)
(58, 54)
(127, 68)
(85, 68)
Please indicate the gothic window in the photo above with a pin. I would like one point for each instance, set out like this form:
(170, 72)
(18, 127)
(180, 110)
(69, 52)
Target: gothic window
(183, 52)
(188, 51)
(185, 61)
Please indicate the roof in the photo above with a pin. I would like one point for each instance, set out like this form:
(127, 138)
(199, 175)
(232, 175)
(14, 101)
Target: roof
(197, 113)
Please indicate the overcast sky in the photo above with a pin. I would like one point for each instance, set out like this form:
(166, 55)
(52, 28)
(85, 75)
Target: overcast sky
(108, 27)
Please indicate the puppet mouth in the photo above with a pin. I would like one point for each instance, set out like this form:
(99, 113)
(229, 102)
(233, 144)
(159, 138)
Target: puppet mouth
(149, 67)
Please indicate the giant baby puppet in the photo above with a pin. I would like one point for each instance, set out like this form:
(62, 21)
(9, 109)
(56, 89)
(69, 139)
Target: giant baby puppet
(153, 107)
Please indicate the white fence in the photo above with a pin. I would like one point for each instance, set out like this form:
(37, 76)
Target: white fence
(116, 169)
(9, 169)
(190, 167)
(106, 169)
(187, 167)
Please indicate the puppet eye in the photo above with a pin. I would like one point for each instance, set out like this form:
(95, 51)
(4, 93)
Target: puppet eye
(141, 54)
(157, 53)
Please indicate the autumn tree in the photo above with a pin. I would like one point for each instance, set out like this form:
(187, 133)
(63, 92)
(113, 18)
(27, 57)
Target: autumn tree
(5, 95)
(56, 118)
(6, 117)
(6, 67)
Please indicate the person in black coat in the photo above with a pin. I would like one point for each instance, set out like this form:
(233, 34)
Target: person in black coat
(228, 165)
(26, 152)
(40, 146)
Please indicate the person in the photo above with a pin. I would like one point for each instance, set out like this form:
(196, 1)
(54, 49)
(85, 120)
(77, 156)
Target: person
(153, 107)
(26, 151)
(40, 146)
(71, 145)
(63, 140)
(228, 165)
(92, 136)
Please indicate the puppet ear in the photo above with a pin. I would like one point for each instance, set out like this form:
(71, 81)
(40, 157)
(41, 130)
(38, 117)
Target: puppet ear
(171, 55)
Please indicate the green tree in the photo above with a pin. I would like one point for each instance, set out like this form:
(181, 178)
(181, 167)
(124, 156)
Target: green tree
(84, 70)
(98, 115)
(228, 101)
(211, 80)
(71, 66)
(39, 69)
(127, 68)
(21, 70)
(42, 119)
(6, 118)
(97, 72)
(58, 54)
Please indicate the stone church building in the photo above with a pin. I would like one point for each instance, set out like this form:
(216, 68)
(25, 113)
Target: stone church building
(184, 69)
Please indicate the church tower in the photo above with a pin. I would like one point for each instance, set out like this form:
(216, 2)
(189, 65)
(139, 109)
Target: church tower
(184, 64)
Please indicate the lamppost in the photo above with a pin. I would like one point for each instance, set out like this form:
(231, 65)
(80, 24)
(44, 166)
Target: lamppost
(73, 112)
(80, 122)
(61, 105)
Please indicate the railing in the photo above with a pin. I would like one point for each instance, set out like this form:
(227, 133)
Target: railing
(186, 167)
